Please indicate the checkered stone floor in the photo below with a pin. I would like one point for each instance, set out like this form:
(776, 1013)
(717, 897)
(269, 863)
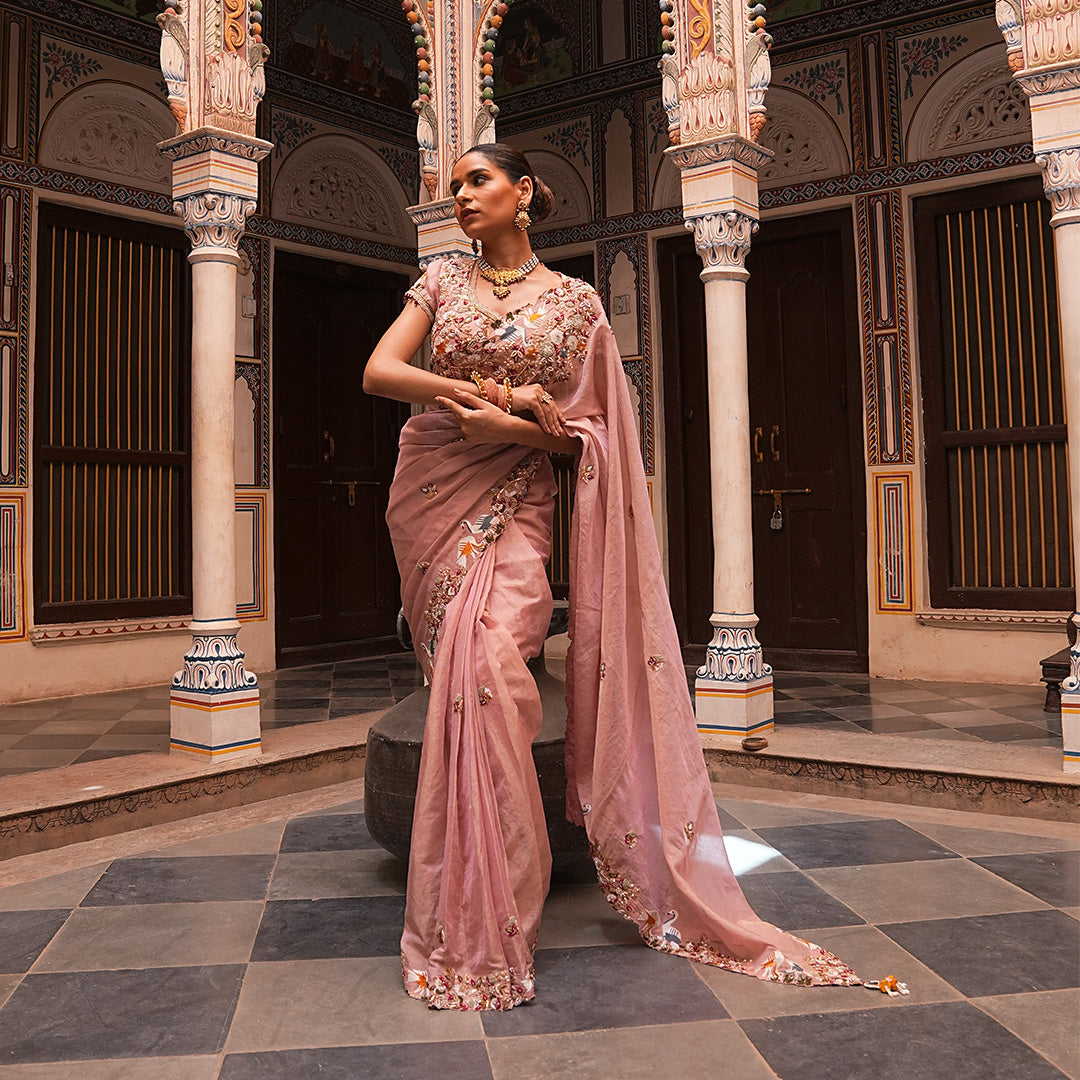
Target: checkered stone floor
(262, 943)
(44, 734)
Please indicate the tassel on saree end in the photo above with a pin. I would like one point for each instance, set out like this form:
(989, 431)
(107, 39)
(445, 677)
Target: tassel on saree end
(889, 986)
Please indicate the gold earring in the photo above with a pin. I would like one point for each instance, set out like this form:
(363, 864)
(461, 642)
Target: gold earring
(521, 218)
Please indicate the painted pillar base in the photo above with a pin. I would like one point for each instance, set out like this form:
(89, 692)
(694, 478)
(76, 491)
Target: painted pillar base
(733, 692)
(1070, 709)
(214, 701)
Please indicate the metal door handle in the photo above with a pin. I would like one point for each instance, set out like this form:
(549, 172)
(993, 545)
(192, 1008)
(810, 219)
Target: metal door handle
(772, 442)
(758, 455)
(331, 449)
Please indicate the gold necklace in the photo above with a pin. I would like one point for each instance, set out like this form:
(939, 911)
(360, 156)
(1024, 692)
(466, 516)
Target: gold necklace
(502, 277)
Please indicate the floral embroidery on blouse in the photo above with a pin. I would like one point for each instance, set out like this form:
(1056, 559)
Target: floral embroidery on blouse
(538, 342)
(656, 662)
(506, 497)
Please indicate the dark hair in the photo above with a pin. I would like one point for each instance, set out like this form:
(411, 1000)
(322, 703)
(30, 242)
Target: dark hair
(515, 164)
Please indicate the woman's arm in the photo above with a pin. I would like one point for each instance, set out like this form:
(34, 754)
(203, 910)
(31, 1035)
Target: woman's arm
(389, 372)
(482, 422)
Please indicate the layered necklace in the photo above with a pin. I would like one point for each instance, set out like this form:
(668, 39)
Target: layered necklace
(502, 277)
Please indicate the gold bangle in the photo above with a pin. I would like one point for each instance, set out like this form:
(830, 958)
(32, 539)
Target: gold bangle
(509, 406)
(475, 376)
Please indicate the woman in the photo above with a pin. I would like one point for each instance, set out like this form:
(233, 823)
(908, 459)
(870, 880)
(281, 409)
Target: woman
(524, 362)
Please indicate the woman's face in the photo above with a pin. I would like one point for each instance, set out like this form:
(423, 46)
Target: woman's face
(485, 198)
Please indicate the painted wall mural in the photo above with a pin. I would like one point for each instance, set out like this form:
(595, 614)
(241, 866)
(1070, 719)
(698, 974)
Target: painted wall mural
(533, 50)
(332, 44)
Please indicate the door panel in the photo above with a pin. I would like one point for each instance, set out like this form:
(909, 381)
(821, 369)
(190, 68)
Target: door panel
(337, 584)
(809, 574)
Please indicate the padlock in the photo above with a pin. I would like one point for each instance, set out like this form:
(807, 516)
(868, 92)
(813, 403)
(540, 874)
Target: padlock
(776, 522)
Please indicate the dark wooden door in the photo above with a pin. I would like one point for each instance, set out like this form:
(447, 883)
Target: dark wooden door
(805, 435)
(337, 589)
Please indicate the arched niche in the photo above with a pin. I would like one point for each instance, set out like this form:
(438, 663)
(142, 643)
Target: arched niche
(974, 105)
(336, 182)
(804, 139)
(573, 200)
(667, 187)
(110, 130)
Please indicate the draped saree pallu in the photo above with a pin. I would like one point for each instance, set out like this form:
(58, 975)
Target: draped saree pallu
(470, 526)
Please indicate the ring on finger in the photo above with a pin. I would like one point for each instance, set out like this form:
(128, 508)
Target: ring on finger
(546, 398)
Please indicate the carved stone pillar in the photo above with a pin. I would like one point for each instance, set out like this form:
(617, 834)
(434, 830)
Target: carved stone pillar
(721, 52)
(212, 55)
(1043, 42)
(455, 106)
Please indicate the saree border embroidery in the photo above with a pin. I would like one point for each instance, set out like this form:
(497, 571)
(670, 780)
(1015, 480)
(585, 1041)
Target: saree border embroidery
(506, 497)
(454, 990)
(661, 933)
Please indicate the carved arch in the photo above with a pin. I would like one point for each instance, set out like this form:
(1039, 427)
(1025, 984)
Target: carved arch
(804, 138)
(976, 103)
(110, 130)
(337, 182)
(667, 186)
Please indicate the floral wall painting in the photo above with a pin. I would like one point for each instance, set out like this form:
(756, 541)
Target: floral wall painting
(531, 50)
(331, 44)
(791, 9)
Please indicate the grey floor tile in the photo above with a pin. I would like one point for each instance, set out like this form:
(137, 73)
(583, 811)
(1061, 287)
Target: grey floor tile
(575, 992)
(456, 1061)
(1017, 731)
(152, 1068)
(962, 718)
(7, 987)
(1041, 947)
(119, 1014)
(996, 701)
(105, 755)
(57, 741)
(1051, 876)
(332, 832)
(901, 725)
(944, 889)
(358, 1001)
(38, 759)
(353, 806)
(762, 815)
(852, 843)
(974, 842)
(577, 915)
(913, 699)
(869, 711)
(713, 1049)
(184, 879)
(790, 900)
(864, 949)
(260, 839)
(24, 935)
(749, 854)
(328, 929)
(1046, 1021)
(728, 821)
(311, 875)
(57, 891)
(960, 1042)
(154, 935)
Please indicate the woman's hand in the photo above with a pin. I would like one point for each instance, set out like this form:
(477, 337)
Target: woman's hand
(481, 422)
(535, 399)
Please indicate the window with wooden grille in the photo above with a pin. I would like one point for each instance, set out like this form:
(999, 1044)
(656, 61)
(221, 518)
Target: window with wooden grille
(994, 412)
(112, 527)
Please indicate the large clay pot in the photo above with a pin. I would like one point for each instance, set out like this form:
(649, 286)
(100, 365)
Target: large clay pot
(393, 766)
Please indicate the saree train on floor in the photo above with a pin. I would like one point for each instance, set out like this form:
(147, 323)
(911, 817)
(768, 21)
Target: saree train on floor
(471, 528)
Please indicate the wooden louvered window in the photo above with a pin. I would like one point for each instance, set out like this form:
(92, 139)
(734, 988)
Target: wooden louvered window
(112, 530)
(997, 479)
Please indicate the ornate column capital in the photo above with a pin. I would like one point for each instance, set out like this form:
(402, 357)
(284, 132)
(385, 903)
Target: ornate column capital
(215, 188)
(1061, 182)
(722, 240)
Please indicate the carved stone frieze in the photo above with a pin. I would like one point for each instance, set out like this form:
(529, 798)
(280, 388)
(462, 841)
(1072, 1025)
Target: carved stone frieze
(669, 94)
(707, 99)
(1050, 82)
(109, 131)
(200, 142)
(729, 148)
(214, 662)
(214, 223)
(1051, 32)
(734, 654)
(803, 140)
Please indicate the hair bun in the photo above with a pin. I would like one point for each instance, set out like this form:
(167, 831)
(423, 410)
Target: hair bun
(543, 201)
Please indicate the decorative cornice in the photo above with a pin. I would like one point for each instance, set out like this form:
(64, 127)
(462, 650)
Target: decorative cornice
(727, 148)
(432, 213)
(1049, 80)
(209, 139)
(957, 619)
(1061, 182)
(723, 242)
(58, 634)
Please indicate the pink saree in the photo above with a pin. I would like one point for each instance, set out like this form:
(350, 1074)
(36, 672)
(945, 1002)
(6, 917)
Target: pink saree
(471, 531)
